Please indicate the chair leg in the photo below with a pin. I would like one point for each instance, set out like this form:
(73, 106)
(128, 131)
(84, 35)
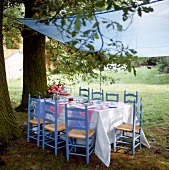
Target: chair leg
(87, 159)
(133, 145)
(59, 136)
(67, 148)
(43, 138)
(87, 151)
(38, 135)
(75, 144)
(140, 139)
(140, 144)
(28, 131)
(56, 144)
(123, 137)
(114, 143)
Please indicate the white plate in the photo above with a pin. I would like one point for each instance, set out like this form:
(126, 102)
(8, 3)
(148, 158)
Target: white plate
(112, 106)
(87, 104)
(61, 103)
(72, 105)
(91, 107)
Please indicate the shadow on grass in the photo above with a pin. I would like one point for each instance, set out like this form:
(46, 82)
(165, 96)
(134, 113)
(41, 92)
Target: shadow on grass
(22, 155)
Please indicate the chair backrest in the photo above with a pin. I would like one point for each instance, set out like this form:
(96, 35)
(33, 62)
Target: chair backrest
(137, 114)
(50, 112)
(74, 114)
(130, 97)
(84, 92)
(33, 108)
(98, 95)
(114, 97)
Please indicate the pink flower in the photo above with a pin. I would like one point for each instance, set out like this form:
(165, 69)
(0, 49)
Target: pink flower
(56, 87)
(62, 87)
(59, 88)
(54, 90)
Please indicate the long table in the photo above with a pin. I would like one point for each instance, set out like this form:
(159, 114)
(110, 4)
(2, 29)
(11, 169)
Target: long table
(103, 120)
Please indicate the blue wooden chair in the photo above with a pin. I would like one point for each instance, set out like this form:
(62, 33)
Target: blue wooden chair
(84, 92)
(98, 95)
(113, 97)
(78, 131)
(53, 131)
(130, 136)
(35, 123)
(130, 97)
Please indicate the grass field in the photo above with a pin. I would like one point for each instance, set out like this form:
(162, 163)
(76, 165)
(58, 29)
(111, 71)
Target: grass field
(151, 86)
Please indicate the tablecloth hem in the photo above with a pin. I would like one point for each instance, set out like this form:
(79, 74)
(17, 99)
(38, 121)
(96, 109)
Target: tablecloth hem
(102, 159)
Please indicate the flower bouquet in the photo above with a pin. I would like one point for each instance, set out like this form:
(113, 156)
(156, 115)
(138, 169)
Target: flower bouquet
(55, 88)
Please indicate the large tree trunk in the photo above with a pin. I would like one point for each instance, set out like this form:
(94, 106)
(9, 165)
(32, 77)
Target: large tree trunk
(8, 125)
(34, 65)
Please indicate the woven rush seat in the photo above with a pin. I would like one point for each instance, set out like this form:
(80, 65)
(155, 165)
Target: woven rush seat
(35, 121)
(80, 134)
(127, 127)
(51, 127)
(78, 131)
(128, 136)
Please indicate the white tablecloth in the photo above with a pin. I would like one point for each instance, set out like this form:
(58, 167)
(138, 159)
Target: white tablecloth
(104, 122)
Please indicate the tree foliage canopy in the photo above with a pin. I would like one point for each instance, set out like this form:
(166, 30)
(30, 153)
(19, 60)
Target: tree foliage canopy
(70, 60)
(11, 28)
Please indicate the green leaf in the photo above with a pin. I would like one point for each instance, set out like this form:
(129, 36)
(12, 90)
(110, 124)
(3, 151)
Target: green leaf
(90, 47)
(77, 22)
(116, 7)
(85, 33)
(119, 27)
(71, 22)
(95, 24)
(104, 22)
(83, 22)
(74, 43)
(100, 4)
(110, 3)
(96, 36)
(134, 70)
(147, 9)
(63, 22)
(109, 25)
(139, 11)
(74, 33)
(90, 15)
(133, 51)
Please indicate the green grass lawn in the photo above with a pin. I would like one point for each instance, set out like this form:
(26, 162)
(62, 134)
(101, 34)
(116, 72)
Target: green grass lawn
(154, 90)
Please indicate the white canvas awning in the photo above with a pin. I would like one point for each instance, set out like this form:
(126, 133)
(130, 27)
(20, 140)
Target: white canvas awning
(148, 35)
